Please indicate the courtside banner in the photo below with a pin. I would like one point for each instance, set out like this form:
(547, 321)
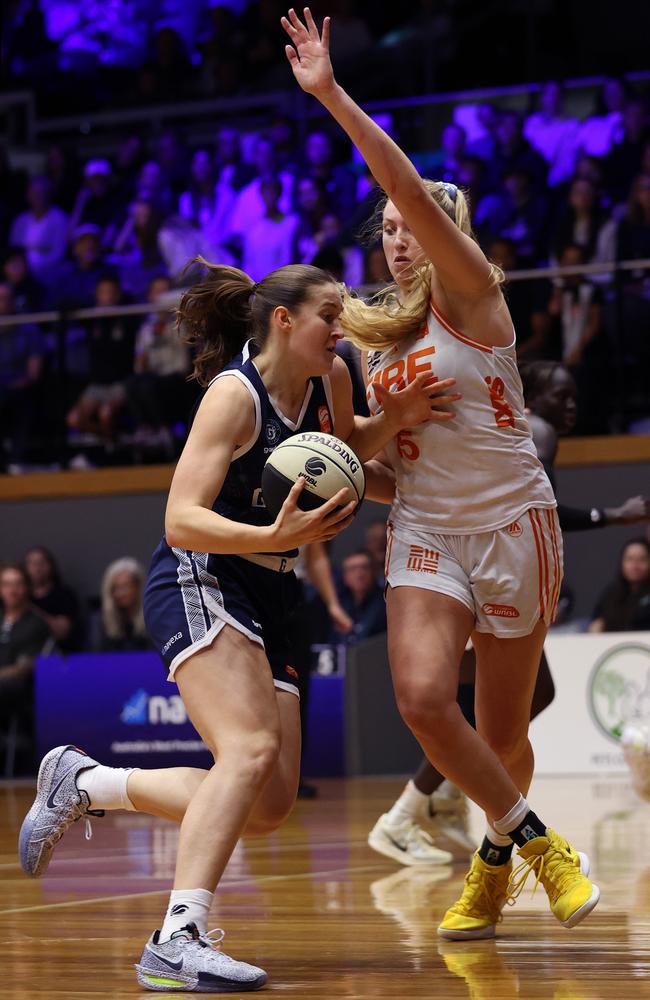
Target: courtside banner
(119, 708)
(601, 682)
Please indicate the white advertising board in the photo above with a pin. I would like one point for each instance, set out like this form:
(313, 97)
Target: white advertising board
(601, 683)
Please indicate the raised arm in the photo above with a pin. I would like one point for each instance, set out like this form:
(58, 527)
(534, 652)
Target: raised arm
(459, 262)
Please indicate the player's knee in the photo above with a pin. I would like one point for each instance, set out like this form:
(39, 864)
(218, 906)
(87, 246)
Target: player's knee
(424, 709)
(508, 746)
(255, 760)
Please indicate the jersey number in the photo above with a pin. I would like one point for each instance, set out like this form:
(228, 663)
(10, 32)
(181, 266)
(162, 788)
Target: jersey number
(407, 447)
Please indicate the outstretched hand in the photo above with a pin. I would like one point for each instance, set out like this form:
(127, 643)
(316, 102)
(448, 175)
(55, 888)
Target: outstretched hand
(309, 54)
(420, 401)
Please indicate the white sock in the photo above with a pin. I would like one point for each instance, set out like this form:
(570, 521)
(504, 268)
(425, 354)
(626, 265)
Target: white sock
(512, 818)
(106, 786)
(412, 804)
(498, 839)
(447, 790)
(186, 906)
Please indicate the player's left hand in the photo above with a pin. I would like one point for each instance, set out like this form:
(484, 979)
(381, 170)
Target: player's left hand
(633, 510)
(309, 55)
(420, 401)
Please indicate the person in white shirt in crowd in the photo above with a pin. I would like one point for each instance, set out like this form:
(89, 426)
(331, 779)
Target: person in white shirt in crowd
(268, 244)
(250, 206)
(42, 230)
(553, 134)
(601, 131)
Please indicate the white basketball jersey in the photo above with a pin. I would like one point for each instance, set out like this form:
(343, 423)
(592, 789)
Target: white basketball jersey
(479, 471)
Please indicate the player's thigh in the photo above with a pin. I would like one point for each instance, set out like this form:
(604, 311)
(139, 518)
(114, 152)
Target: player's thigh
(229, 695)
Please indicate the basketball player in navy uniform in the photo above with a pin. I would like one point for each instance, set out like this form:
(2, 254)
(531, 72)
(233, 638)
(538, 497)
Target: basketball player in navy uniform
(219, 592)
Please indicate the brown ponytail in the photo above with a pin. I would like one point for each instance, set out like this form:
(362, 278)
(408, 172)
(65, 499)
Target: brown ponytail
(215, 316)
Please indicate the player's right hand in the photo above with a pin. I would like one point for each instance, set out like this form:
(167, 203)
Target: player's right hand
(294, 527)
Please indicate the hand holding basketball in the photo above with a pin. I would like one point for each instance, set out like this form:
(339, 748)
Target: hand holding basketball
(417, 402)
(294, 527)
(309, 54)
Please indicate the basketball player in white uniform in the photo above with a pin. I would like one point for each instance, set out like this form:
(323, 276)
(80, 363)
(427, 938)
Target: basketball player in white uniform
(474, 545)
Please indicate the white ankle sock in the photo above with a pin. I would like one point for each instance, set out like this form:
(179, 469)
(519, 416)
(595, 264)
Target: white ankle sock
(498, 839)
(186, 906)
(412, 804)
(512, 818)
(106, 786)
(447, 790)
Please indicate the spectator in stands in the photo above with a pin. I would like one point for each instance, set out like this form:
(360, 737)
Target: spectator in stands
(42, 229)
(136, 252)
(170, 153)
(121, 626)
(129, 160)
(624, 606)
(157, 391)
(22, 356)
(624, 160)
(97, 203)
(317, 225)
(575, 311)
(152, 185)
(110, 345)
(223, 53)
(471, 178)
(56, 603)
(28, 292)
(249, 206)
(198, 203)
(23, 636)
(580, 221)
(517, 212)
(73, 284)
(604, 129)
(553, 134)
(527, 302)
(480, 122)
(514, 154)
(337, 179)
(168, 73)
(12, 192)
(444, 165)
(361, 598)
(633, 231)
(269, 243)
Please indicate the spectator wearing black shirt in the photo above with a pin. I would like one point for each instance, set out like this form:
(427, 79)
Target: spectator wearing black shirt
(518, 212)
(337, 179)
(581, 219)
(361, 598)
(513, 153)
(625, 604)
(23, 636)
(28, 292)
(122, 628)
(56, 603)
(22, 355)
(97, 201)
(623, 162)
(527, 302)
(110, 344)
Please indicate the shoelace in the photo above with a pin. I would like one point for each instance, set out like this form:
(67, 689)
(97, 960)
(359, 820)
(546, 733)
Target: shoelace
(487, 887)
(540, 864)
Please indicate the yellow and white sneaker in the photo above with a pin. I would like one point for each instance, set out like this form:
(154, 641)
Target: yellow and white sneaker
(451, 816)
(406, 842)
(563, 873)
(478, 911)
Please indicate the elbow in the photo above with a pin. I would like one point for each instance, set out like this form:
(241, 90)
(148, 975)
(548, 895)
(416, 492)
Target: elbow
(174, 533)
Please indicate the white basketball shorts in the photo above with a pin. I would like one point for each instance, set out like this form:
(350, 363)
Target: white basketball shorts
(509, 578)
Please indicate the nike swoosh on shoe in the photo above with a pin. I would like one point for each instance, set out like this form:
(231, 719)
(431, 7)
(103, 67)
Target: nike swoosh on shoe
(51, 803)
(176, 966)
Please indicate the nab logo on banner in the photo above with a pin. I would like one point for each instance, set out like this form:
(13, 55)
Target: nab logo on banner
(142, 709)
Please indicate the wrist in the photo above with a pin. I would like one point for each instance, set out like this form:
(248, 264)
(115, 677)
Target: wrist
(602, 516)
(330, 95)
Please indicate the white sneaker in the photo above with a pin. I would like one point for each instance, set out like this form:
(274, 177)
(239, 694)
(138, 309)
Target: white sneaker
(406, 842)
(451, 817)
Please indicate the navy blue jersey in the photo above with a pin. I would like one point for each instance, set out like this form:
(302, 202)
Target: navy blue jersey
(240, 498)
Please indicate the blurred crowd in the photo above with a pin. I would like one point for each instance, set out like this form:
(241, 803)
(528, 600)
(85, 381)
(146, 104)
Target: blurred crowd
(545, 189)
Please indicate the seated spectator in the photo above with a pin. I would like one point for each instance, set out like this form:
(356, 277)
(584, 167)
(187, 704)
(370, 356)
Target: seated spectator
(22, 356)
(444, 165)
(62, 171)
(518, 213)
(602, 130)
(269, 243)
(154, 186)
(361, 597)
(624, 160)
(170, 155)
(249, 206)
(42, 230)
(24, 635)
(337, 180)
(129, 160)
(56, 603)
(514, 154)
(553, 134)
(316, 223)
(110, 345)
(158, 393)
(72, 285)
(198, 203)
(97, 202)
(633, 231)
(624, 606)
(479, 122)
(223, 53)
(527, 302)
(575, 308)
(28, 292)
(136, 253)
(580, 221)
(121, 626)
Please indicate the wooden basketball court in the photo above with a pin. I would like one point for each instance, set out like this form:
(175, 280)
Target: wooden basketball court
(324, 914)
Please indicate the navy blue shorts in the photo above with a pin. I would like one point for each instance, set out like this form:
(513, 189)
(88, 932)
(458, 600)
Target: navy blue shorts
(190, 596)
